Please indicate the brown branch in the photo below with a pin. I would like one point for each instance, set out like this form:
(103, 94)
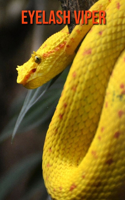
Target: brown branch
(75, 5)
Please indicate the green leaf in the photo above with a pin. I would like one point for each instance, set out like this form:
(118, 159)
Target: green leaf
(32, 97)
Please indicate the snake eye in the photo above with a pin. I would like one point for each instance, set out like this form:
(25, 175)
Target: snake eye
(38, 59)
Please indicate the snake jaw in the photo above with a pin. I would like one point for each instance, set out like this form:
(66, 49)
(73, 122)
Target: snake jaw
(33, 76)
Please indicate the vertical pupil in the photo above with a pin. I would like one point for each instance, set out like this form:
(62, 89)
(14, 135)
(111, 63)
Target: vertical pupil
(37, 59)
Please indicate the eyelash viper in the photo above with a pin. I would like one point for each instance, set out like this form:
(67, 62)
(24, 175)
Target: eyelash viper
(84, 151)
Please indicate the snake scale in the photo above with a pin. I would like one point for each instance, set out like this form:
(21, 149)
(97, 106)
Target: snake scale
(84, 150)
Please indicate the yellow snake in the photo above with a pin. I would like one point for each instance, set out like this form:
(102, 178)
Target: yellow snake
(84, 151)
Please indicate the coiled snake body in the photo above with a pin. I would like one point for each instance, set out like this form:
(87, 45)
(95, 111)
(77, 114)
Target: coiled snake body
(84, 151)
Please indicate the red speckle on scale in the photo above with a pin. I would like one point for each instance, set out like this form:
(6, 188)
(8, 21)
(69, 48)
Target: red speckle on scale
(102, 129)
(123, 92)
(120, 113)
(61, 45)
(118, 5)
(106, 104)
(60, 188)
(99, 137)
(117, 134)
(74, 74)
(50, 150)
(74, 88)
(94, 154)
(124, 59)
(44, 46)
(78, 31)
(68, 45)
(73, 186)
(107, 93)
(72, 39)
(45, 55)
(57, 48)
(100, 7)
(109, 162)
(122, 86)
(48, 53)
(56, 130)
(87, 52)
(48, 165)
(100, 32)
(60, 116)
(83, 176)
(65, 105)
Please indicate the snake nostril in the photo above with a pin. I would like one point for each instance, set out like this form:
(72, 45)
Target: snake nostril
(33, 70)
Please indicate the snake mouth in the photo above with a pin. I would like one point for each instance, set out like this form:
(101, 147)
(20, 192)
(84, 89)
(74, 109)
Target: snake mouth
(29, 80)
(33, 84)
(23, 75)
(22, 79)
(36, 82)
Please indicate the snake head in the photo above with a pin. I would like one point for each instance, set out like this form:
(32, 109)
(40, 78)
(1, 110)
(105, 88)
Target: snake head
(48, 61)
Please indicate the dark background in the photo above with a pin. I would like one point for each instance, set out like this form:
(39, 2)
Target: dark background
(17, 42)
